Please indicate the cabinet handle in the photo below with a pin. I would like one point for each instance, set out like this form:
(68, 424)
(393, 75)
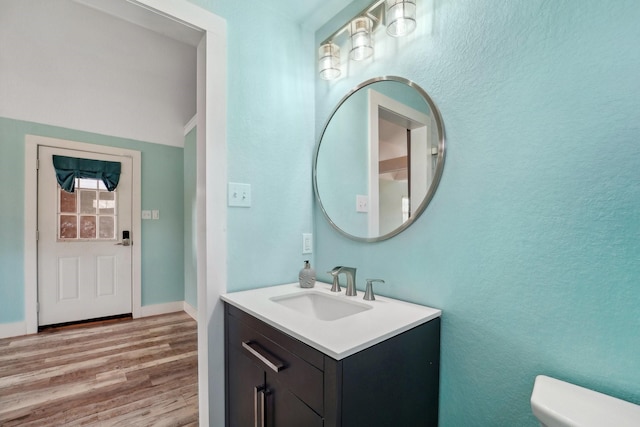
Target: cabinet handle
(258, 421)
(276, 365)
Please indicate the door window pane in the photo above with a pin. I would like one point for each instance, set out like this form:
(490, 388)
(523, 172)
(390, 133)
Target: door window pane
(87, 227)
(67, 201)
(87, 202)
(107, 227)
(68, 227)
(107, 203)
(87, 183)
(89, 213)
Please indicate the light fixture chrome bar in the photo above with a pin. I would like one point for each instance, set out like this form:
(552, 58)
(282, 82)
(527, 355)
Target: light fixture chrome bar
(375, 11)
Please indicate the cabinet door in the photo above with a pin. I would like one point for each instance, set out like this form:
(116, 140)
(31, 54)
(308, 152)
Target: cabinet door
(284, 409)
(243, 378)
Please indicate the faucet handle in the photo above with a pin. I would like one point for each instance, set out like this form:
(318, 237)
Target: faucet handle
(368, 293)
(336, 279)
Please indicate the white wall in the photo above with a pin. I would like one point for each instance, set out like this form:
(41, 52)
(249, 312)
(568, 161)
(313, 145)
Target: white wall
(64, 64)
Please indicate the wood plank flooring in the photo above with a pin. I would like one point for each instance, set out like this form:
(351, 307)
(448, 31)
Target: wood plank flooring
(140, 372)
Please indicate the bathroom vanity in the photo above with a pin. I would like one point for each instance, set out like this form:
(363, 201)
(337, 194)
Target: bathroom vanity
(309, 357)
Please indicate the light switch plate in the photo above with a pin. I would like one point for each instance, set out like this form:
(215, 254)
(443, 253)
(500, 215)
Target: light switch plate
(239, 195)
(146, 214)
(362, 203)
(155, 214)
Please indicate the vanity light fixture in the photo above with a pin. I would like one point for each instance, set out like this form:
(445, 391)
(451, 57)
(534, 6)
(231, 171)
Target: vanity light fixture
(329, 61)
(399, 16)
(361, 41)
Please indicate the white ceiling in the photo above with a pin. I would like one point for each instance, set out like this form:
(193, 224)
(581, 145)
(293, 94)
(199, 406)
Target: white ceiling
(60, 33)
(311, 14)
(142, 16)
(68, 65)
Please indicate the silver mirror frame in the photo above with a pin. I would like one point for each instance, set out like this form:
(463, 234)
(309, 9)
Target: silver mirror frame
(439, 162)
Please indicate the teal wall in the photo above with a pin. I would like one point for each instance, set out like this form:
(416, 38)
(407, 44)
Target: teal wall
(162, 240)
(531, 245)
(402, 93)
(190, 258)
(11, 222)
(270, 136)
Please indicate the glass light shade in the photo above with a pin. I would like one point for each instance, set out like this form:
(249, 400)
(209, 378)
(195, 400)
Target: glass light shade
(329, 61)
(361, 42)
(400, 17)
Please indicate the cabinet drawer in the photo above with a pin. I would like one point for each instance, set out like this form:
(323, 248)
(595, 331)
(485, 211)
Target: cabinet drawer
(290, 369)
(300, 349)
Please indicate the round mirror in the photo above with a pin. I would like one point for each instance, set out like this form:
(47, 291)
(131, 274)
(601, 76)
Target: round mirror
(379, 159)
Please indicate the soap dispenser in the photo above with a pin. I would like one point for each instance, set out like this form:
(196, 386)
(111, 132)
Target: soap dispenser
(307, 276)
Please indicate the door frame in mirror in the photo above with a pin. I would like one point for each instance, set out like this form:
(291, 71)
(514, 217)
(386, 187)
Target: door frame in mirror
(437, 118)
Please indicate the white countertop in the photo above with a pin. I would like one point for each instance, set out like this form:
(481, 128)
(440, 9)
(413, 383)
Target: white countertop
(336, 338)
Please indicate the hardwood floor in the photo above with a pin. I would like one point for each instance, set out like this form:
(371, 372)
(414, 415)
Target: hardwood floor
(139, 372)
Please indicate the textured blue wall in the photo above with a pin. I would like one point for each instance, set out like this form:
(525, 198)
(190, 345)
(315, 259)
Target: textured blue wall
(531, 246)
(162, 240)
(270, 128)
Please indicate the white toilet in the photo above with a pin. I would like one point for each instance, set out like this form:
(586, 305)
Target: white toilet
(557, 403)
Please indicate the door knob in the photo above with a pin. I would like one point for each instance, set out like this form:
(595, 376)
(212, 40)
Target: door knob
(126, 241)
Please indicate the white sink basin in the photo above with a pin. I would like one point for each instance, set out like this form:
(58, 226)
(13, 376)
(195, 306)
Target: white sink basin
(320, 306)
(306, 314)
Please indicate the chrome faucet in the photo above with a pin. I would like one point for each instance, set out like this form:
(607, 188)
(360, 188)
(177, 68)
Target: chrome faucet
(350, 272)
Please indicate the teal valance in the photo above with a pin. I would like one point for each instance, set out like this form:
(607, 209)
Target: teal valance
(70, 168)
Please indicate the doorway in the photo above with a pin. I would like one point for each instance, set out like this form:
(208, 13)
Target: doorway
(33, 144)
(399, 168)
(211, 184)
(84, 240)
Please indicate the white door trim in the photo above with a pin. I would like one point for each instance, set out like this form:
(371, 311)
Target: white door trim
(31, 220)
(211, 193)
(377, 101)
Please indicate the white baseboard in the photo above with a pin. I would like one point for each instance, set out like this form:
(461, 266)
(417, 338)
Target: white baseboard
(188, 308)
(8, 330)
(155, 309)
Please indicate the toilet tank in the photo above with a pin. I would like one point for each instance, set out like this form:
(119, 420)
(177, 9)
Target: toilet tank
(557, 403)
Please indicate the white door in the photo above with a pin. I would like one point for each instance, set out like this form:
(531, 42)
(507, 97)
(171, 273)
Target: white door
(84, 269)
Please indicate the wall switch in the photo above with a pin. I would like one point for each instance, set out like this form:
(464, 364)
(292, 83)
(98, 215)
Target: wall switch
(155, 214)
(362, 203)
(307, 243)
(239, 195)
(146, 214)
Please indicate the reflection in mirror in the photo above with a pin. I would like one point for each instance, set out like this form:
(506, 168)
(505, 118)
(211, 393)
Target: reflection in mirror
(379, 159)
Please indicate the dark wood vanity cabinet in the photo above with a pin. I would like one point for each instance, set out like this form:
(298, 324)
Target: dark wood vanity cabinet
(275, 380)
